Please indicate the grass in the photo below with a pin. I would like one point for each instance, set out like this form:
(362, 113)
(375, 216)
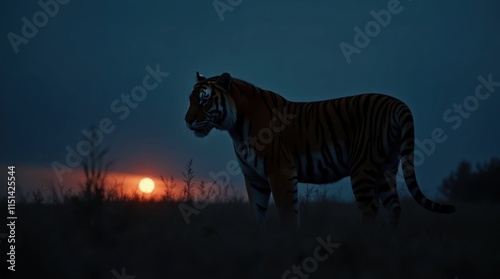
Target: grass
(152, 240)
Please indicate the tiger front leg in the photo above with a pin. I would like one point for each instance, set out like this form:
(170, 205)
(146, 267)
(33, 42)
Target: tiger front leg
(259, 193)
(284, 188)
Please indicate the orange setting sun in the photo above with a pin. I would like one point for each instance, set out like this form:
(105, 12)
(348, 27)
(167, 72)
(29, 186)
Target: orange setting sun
(146, 185)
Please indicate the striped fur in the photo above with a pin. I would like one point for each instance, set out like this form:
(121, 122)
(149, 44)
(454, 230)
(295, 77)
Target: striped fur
(280, 143)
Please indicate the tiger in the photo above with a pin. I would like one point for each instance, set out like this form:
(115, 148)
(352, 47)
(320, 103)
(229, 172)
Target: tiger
(279, 143)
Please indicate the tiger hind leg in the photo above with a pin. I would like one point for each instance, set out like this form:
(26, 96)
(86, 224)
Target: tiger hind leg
(363, 186)
(388, 195)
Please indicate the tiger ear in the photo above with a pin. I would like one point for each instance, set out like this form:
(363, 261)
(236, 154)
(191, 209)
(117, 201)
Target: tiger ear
(224, 81)
(200, 77)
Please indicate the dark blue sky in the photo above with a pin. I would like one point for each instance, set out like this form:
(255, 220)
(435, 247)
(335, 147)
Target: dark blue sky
(88, 54)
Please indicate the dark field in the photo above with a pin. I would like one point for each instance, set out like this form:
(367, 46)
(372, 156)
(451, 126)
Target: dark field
(152, 240)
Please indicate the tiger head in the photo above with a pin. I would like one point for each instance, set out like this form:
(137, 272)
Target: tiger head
(210, 105)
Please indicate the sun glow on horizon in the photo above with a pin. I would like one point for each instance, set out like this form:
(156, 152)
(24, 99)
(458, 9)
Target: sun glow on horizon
(146, 185)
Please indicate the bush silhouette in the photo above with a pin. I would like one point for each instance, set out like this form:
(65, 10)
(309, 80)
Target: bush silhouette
(473, 185)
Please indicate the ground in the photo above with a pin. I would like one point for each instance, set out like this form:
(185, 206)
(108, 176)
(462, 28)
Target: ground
(152, 240)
